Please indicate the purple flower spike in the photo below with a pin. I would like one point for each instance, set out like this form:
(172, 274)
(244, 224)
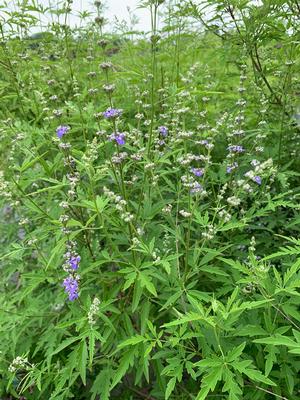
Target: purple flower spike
(62, 130)
(197, 171)
(74, 262)
(257, 179)
(196, 188)
(231, 167)
(119, 138)
(71, 287)
(112, 113)
(163, 130)
(236, 149)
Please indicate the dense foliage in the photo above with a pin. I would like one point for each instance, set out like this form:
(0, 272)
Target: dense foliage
(149, 203)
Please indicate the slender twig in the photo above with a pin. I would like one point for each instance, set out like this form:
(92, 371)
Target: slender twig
(143, 395)
(268, 391)
(286, 317)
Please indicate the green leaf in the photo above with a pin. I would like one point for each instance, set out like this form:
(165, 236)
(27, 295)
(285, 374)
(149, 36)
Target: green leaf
(190, 317)
(235, 353)
(278, 340)
(209, 362)
(231, 385)
(65, 344)
(210, 381)
(101, 202)
(68, 323)
(213, 270)
(130, 278)
(247, 368)
(232, 225)
(91, 339)
(166, 266)
(132, 341)
(251, 305)
(270, 359)
(82, 361)
(102, 384)
(291, 272)
(145, 281)
(251, 330)
(236, 265)
(170, 387)
(172, 299)
(30, 163)
(289, 378)
(137, 293)
(125, 362)
(295, 351)
(145, 309)
(257, 376)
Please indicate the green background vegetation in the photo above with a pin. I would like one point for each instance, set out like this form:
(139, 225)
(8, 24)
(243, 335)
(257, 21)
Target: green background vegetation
(191, 307)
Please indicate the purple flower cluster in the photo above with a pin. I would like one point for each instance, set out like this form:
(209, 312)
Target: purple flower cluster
(74, 262)
(111, 113)
(206, 143)
(71, 287)
(257, 179)
(196, 188)
(231, 167)
(197, 172)
(236, 149)
(62, 130)
(120, 138)
(163, 130)
(71, 265)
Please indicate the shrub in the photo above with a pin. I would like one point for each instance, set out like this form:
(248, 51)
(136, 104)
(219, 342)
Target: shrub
(150, 205)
